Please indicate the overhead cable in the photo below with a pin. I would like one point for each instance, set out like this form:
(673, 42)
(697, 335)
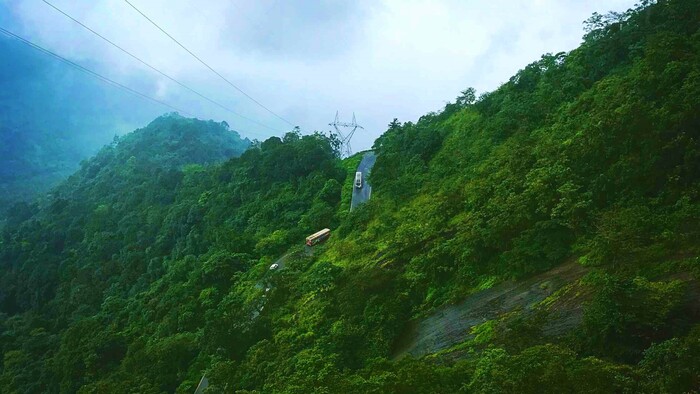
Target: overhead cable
(159, 71)
(208, 66)
(90, 72)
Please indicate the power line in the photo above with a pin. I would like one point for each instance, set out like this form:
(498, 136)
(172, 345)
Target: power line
(208, 66)
(105, 79)
(90, 72)
(157, 70)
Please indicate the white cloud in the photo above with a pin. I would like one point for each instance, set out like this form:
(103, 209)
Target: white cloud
(305, 60)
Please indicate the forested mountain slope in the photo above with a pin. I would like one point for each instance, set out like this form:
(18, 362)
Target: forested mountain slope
(136, 278)
(103, 205)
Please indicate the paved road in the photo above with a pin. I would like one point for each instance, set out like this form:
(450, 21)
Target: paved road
(363, 194)
(203, 384)
(281, 261)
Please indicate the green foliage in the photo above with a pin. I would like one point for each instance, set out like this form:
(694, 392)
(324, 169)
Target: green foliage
(149, 267)
(144, 254)
(671, 366)
(628, 315)
(547, 369)
(593, 153)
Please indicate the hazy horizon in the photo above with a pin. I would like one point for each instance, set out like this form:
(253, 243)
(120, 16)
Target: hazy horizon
(380, 60)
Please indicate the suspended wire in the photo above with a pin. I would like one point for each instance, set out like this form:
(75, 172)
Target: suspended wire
(208, 66)
(90, 72)
(158, 71)
(105, 79)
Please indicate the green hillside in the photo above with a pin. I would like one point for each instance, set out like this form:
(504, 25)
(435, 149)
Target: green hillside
(542, 237)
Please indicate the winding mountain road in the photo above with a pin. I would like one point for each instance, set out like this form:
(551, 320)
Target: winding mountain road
(362, 194)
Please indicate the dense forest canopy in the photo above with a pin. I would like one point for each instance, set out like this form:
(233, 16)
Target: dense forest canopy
(148, 268)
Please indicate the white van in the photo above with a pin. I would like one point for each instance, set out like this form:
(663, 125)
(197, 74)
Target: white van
(358, 179)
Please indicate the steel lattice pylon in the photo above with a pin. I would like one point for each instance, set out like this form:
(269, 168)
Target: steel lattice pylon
(345, 149)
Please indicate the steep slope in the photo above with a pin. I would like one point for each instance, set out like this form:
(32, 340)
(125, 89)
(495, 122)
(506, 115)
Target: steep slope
(556, 219)
(454, 324)
(591, 157)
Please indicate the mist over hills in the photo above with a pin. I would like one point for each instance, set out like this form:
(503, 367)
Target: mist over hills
(53, 116)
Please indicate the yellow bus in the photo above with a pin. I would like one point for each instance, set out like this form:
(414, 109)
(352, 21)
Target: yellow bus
(317, 237)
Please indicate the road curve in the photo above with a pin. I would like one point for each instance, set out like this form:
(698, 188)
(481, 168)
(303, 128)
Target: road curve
(361, 195)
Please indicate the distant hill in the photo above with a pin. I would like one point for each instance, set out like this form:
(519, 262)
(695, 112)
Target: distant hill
(173, 140)
(156, 151)
(170, 141)
(53, 116)
(32, 162)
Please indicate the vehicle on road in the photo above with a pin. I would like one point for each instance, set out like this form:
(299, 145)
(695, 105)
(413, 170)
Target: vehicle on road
(318, 236)
(274, 266)
(358, 179)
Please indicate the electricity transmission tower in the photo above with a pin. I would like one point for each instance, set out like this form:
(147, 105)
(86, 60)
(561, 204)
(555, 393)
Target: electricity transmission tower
(345, 149)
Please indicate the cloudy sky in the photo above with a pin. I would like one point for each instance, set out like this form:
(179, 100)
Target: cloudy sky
(305, 60)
